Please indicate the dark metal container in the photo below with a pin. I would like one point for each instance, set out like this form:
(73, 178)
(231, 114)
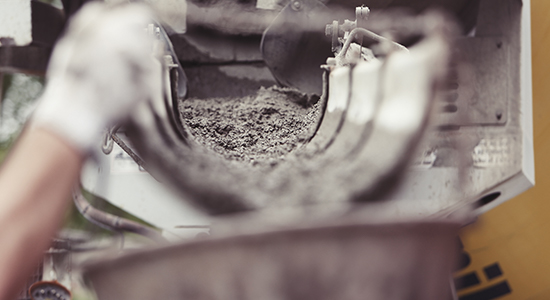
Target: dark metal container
(352, 261)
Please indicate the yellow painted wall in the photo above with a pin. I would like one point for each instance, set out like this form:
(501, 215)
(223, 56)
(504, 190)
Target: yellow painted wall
(516, 235)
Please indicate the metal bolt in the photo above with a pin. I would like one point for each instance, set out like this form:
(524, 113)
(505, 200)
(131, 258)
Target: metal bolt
(362, 12)
(361, 15)
(335, 33)
(157, 32)
(328, 30)
(296, 5)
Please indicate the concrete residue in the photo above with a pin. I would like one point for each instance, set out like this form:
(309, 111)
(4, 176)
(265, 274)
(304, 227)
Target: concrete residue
(255, 128)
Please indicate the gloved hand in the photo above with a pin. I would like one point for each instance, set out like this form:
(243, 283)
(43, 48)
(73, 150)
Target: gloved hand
(103, 67)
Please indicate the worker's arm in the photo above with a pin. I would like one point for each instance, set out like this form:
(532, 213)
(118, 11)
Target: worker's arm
(101, 69)
(35, 184)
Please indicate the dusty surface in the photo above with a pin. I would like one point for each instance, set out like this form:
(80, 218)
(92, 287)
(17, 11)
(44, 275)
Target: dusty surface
(257, 128)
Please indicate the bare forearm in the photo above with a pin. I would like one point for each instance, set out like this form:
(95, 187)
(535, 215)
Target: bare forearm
(35, 184)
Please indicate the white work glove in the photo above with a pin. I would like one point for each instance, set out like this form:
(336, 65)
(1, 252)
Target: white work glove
(102, 68)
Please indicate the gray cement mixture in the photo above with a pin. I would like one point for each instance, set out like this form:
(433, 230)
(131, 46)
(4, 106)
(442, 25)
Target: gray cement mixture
(256, 129)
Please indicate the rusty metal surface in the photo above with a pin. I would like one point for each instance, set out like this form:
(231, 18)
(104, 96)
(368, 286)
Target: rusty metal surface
(348, 261)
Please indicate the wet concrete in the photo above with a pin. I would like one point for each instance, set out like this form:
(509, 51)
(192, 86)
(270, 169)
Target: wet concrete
(255, 128)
